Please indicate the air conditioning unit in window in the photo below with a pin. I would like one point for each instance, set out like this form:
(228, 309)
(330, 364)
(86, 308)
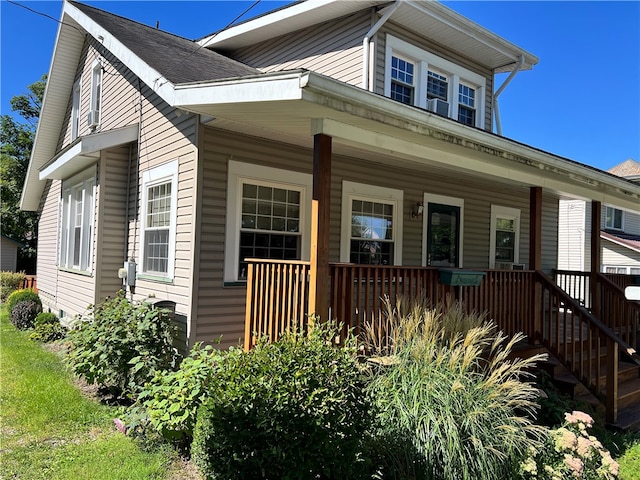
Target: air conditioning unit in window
(93, 118)
(438, 106)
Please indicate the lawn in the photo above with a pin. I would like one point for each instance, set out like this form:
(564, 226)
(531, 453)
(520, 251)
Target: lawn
(49, 430)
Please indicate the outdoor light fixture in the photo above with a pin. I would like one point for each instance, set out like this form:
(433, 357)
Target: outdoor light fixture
(417, 210)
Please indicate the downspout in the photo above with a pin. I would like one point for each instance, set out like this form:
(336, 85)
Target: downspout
(366, 44)
(496, 109)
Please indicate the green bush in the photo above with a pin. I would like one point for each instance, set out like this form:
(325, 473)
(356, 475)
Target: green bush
(21, 296)
(10, 282)
(121, 345)
(24, 313)
(47, 328)
(450, 406)
(171, 399)
(293, 409)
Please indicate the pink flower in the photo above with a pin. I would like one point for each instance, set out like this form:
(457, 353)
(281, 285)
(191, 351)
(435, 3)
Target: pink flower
(574, 464)
(565, 439)
(578, 417)
(584, 446)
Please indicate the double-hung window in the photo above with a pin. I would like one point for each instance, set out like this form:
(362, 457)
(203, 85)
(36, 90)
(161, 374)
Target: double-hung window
(75, 111)
(371, 224)
(613, 218)
(76, 226)
(431, 82)
(96, 94)
(505, 237)
(159, 207)
(267, 216)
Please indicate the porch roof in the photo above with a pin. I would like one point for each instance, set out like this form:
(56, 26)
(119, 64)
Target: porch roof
(294, 105)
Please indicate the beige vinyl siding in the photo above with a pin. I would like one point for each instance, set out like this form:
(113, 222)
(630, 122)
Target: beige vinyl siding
(630, 221)
(614, 254)
(571, 234)
(47, 253)
(119, 99)
(220, 309)
(166, 137)
(430, 46)
(332, 48)
(110, 229)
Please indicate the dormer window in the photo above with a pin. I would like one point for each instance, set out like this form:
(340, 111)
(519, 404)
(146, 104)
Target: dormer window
(402, 80)
(433, 83)
(96, 93)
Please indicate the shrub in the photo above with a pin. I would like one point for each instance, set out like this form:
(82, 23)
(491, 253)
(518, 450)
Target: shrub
(47, 328)
(450, 406)
(121, 345)
(20, 296)
(171, 399)
(24, 313)
(10, 282)
(570, 452)
(293, 409)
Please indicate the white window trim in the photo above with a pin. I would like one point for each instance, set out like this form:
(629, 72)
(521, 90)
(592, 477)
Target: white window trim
(422, 61)
(622, 219)
(626, 267)
(361, 191)
(96, 71)
(158, 175)
(504, 212)
(75, 109)
(442, 200)
(80, 178)
(239, 173)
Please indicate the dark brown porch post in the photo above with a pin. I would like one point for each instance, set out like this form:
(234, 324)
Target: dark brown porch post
(322, 193)
(535, 257)
(596, 256)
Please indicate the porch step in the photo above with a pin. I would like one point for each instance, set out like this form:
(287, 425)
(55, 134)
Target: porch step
(628, 419)
(629, 394)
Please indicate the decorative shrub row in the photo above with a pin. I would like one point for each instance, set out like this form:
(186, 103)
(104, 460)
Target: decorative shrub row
(121, 345)
(47, 328)
(23, 306)
(10, 282)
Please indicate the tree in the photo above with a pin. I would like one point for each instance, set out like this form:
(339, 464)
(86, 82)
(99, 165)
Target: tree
(16, 140)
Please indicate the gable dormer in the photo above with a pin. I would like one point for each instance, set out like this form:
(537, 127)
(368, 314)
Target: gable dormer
(420, 53)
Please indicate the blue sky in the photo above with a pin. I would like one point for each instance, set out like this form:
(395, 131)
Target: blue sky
(582, 101)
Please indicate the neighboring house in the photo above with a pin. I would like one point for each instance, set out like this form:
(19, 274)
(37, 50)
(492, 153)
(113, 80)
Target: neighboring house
(619, 235)
(9, 254)
(176, 160)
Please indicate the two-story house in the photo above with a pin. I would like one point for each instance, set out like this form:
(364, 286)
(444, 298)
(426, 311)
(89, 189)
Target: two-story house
(620, 233)
(345, 147)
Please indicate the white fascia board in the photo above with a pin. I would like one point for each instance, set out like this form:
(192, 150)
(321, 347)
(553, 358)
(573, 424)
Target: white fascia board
(85, 152)
(156, 81)
(261, 88)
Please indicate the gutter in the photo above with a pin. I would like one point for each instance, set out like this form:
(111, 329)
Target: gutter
(366, 45)
(496, 109)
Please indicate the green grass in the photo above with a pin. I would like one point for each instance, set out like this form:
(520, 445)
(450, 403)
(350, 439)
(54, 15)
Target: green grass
(630, 461)
(49, 430)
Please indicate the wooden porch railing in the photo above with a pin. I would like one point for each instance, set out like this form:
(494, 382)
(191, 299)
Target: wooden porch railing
(29, 282)
(277, 298)
(622, 280)
(583, 343)
(616, 312)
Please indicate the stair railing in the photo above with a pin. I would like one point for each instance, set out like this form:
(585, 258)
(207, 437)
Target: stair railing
(582, 342)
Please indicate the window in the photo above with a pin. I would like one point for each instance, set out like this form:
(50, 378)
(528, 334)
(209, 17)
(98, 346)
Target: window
(96, 93)
(505, 237)
(77, 205)
(402, 80)
(371, 230)
(613, 218)
(466, 105)
(430, 77)
(622, 270)
(267, 216)
(159, 220)
(75, 111)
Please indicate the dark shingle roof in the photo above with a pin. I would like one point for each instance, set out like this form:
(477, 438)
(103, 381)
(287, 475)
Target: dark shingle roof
(180, 60)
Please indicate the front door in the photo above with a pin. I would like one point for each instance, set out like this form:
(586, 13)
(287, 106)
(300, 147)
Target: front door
(443, 235)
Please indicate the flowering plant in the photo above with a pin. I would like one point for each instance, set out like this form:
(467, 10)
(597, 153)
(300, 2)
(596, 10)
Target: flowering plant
(570, 452)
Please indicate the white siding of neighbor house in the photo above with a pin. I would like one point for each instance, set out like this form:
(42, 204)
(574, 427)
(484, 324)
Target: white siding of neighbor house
(617, 255)
(630, 221)
(572, 235)
(425, 44)
(220, 309)
(332, 48)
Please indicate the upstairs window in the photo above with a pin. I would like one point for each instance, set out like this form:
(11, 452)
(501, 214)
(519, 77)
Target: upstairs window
(77, 206)
(434, 83)
(613, 218)
(75, 111)
(466, 105)
(402, 80)
(96, 95)
(159, 209)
